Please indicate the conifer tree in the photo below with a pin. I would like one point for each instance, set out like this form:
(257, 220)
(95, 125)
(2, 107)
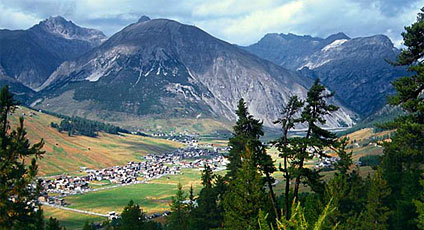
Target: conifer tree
(316, 138)
(247, 131)
(132, 217)
(18, 189)
(178, 220)
(53, 224)
(376, 214)
(207, 214)
(402, 160)
(288, 150)
(246, 128)
(245, 196)
(345, 158)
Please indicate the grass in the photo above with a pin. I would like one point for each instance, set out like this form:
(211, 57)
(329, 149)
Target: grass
(65, 154)
(152, 197)
(71, 220)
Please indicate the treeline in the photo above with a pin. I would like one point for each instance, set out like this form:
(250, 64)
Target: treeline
(81, 126)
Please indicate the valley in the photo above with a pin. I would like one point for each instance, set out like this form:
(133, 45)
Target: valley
(115, 120)
(68, 155)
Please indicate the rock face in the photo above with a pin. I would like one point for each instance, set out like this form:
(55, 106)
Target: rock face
(166, 69)
(356, 69)
(60, 27)
(30, 56)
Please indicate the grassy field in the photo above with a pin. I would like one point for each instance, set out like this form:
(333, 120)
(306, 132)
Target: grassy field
(66, 154)
(152, 197)
(71, 220)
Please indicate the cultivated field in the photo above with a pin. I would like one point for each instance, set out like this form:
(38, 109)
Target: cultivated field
(66, 154)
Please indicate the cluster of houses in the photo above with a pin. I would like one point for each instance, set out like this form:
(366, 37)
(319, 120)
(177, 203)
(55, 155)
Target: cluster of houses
(154, 166)
(326, 162)
(65, 184)
(190, 157)
(189, 139)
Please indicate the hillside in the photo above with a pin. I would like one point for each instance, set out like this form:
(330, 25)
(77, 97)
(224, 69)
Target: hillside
(66, 154)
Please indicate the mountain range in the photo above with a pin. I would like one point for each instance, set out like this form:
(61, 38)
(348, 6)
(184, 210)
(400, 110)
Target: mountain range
(31, 55)
(163, 69)
(357, 69)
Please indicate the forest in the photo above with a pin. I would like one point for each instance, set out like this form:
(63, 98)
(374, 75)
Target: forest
(81, 126)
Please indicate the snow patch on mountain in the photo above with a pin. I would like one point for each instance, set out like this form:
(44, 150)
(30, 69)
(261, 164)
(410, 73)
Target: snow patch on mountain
(335, 44)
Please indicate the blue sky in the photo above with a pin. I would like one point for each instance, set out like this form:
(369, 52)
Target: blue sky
(237, 21)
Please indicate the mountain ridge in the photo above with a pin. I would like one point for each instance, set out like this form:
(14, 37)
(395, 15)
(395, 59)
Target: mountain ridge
(164, 67)
(31, 55)
(355, 68)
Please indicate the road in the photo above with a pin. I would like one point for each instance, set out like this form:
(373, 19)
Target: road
(74, 210)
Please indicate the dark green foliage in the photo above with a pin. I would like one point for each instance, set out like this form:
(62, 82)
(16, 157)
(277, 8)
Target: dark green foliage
(246, 128)
(316, 138)
(287, 122)
(247, 132)
(376, 214)
(244, 198)
(81, 126)
(88, 226)
(403, 157)
(18, 188)
(179, 218)
(370, 160)
(208, 213)
(132, 217)
(53, 224)
(345, 161)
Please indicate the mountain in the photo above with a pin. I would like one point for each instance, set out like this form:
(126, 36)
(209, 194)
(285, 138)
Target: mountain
(289, 50)
(166, 69)
(30, 56)
(22, 93)
(356, 69)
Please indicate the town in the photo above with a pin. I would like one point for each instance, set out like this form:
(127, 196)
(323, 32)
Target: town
(153, 166)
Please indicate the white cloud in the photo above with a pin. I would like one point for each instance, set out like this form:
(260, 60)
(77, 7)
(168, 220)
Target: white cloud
(237, 21)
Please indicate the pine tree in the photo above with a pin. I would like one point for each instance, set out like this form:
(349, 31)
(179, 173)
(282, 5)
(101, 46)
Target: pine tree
(18, 188)
(178, 220)
(286, 149)
(207, 215)
(132, 217)
(246, 128)
(245, 196)
(247, 131)
(345, 162)
(316, 138)
(376, 214)
(53, 224)
(402, 160)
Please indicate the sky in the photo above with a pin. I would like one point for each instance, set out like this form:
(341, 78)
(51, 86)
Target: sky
(241, 22)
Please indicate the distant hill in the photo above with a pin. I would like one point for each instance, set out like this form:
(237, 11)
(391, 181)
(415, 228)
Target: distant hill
(355, 68)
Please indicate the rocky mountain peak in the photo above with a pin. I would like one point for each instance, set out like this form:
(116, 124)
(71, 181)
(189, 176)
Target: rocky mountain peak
(143, 18)
(61, 27)
(337, 36)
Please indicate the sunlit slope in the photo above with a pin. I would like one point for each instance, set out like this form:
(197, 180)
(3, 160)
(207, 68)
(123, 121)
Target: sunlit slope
(68, 154)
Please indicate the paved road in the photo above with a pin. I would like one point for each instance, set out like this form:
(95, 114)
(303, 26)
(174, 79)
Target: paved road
(74, 210)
